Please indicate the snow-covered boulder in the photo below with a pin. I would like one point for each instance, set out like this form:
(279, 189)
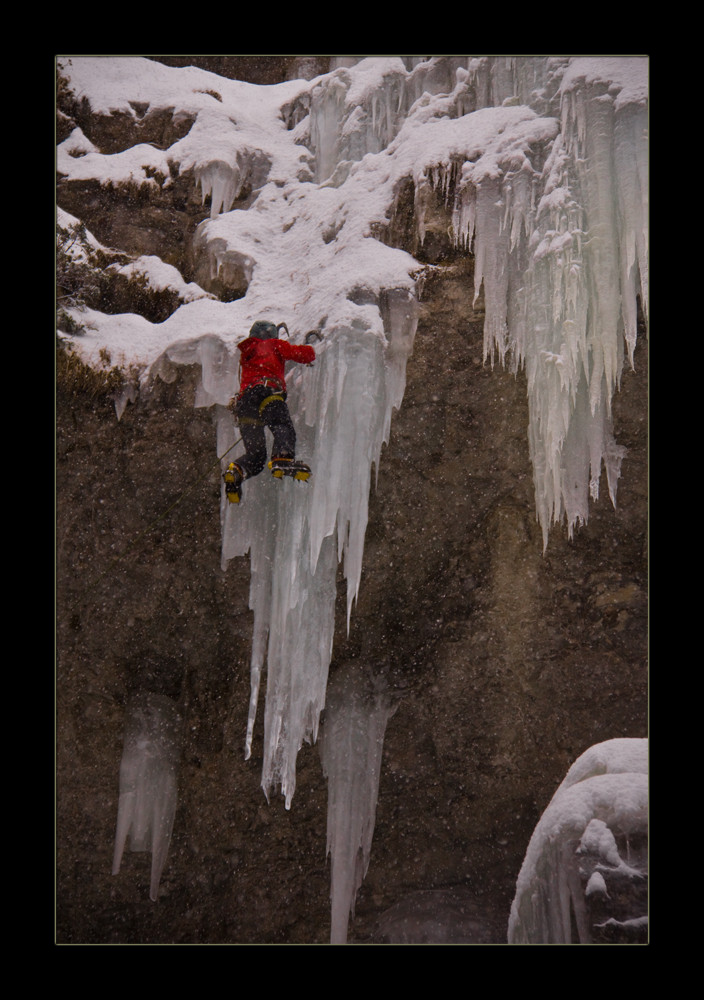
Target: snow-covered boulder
(584, 877)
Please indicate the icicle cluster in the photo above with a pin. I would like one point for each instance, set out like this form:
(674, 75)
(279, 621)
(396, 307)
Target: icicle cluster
(148, 782)
(556, 214)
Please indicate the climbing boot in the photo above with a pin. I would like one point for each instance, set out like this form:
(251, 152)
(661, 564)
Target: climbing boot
(233, 483)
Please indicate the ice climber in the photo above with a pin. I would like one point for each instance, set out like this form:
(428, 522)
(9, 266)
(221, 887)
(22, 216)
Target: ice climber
(260, 403)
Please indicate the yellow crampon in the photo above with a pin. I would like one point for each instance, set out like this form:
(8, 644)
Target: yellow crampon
(300, 472)
(232, 487)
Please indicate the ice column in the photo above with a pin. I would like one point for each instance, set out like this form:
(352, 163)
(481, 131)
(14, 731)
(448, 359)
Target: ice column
(148, 773)
(603, 799)
(327, 107)
(297, 533)
(357, 711)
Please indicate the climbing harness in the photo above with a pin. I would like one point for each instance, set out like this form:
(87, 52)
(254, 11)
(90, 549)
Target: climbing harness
(275, 397)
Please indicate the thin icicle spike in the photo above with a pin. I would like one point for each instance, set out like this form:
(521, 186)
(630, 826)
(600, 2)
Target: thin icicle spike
(357, 712)
(148, 782)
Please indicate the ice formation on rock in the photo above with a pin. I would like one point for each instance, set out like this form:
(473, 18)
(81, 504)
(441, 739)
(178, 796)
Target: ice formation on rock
(555, 211)
(148, 782)
(599, 812)
(543, 166)
(358, 708)
(296, 535)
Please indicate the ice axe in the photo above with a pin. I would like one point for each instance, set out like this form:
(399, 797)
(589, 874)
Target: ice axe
(309, 337)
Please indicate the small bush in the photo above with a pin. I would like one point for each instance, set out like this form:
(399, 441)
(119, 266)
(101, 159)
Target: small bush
(82, 278)
(75, 378)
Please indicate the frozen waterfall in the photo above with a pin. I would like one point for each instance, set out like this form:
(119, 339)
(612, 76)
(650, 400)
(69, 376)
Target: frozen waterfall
(296, 534)
(542, 164)
(544, 167)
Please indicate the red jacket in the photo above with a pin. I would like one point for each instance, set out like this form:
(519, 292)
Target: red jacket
(266, 359)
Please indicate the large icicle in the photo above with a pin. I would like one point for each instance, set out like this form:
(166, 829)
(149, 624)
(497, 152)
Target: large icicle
(296, 534)
(148, 781)
(354, 113)
(357, 711)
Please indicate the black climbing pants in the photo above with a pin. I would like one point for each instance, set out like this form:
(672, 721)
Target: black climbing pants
(259, 407)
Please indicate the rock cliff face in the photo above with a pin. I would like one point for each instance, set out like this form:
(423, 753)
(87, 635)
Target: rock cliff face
(507, 662)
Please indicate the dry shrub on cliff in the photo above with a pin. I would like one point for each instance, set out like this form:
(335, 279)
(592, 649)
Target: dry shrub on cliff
(75, 378)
